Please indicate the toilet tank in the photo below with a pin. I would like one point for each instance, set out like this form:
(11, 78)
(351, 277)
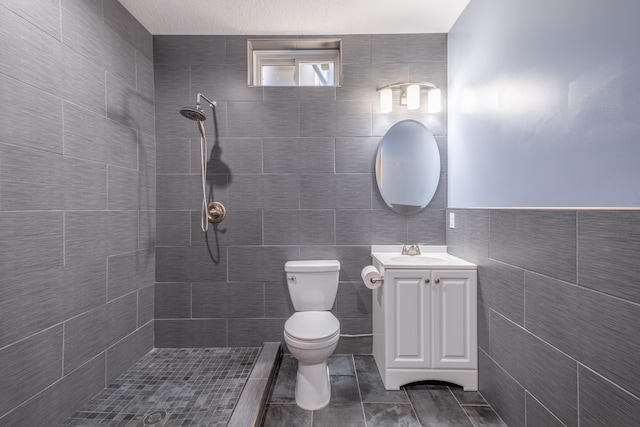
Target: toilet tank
(313, 285)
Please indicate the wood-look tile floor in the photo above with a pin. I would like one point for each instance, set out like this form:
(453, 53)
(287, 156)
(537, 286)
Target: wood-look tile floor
(358, 398)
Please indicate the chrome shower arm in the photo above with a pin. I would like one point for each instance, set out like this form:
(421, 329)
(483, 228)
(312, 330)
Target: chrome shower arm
(211, 103)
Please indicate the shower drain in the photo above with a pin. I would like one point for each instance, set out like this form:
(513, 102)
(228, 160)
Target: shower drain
(154, 418)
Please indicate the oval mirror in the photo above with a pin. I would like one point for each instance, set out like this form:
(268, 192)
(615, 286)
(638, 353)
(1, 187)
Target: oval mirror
(408, 167)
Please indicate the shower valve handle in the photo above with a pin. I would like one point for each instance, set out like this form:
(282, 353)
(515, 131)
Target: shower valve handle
(216, 212)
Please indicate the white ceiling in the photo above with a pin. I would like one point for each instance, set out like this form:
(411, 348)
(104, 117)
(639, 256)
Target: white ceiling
(290, 17)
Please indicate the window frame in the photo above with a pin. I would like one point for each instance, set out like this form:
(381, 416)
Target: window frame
(293, 53)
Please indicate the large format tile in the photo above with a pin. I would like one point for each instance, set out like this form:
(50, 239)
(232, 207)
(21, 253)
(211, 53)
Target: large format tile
(277, 301)
(285, 383)
(586, 325)
(129, 272)
(427, 227)
(501, 288)
(83, 28)
(545, 372)
(343, 414)
(31, 179)
(18, 97)
(120, 20)
(502, 392)
(56, 403)
(352, 258)
(470, 237)
(299, 155)
(483, 416)
(173, 155)
(91, 333)
(356, 48)
(119, 55)
(335, 118)
(29, 366)
(356, 154)
(190, 333)
(341, 365)
(209, 299)
(229, 156)
(172, 301)
(280, 119)
(83, 82)
(259, 264)
(173, 228)
(355, 345)
(609, 252)
(281, 191)
(44, 15)
(123, 354)
(539, 241)
(353, 300)
(603, 403)
(353, 191)
(85, 185)
(254, 332)
(387, 414)
(371, 386)
(145, 305)
(281, 414)
(29, 54)
(435, 405)
(538, 415)
(92, 136)
(344, 390)
(123, 189)
(171, 82)
(389, 48)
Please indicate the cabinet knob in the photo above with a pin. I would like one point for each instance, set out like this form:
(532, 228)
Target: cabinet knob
(437, 280)
(426, 280)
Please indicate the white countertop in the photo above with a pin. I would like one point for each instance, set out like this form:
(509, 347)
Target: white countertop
(431, 257)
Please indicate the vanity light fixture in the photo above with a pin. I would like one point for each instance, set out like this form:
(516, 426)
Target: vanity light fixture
(410, 96)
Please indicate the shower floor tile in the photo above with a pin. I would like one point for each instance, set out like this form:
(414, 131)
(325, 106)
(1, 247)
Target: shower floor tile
(173, 387)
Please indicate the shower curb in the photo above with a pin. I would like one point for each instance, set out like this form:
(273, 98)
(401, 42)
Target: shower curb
(250, 407)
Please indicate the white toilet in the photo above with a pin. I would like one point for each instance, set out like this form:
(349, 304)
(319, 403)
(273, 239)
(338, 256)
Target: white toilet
(312, 332)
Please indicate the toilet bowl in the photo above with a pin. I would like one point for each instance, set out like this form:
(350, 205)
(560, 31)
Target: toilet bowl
(311, 337)
(312, 332)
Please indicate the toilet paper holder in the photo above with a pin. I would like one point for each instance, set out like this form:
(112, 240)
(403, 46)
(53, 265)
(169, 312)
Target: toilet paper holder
(376, 280)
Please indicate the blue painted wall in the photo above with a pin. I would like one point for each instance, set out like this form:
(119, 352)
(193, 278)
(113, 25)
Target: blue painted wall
(544, 104)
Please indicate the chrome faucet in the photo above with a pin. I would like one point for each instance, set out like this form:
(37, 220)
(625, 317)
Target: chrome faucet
(411, 250)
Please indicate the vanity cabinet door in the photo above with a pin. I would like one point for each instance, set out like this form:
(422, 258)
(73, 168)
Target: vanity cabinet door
(408, 323)
(454, 319)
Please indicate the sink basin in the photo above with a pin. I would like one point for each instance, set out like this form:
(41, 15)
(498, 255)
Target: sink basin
(417, 259)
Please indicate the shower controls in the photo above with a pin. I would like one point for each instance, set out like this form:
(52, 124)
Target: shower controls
(212, 212)
(216, 212)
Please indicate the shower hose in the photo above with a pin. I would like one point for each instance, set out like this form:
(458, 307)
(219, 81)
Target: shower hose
(204, 220)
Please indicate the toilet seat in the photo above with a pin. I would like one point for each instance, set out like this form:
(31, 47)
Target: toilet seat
(312, 326)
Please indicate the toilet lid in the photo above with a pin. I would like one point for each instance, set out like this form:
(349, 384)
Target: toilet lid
(312, 325)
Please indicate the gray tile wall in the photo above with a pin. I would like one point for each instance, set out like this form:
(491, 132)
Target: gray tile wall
(77, 202)
(294, 167)
(558, 317)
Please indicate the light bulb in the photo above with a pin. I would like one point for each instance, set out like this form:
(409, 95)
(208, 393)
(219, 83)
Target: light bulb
(413, 97)
(434, 101)
(386, 100)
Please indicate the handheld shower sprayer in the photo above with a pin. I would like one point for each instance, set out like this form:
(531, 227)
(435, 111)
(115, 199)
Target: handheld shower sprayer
(213, 212)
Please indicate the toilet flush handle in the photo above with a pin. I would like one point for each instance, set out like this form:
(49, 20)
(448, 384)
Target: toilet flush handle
(291, 278)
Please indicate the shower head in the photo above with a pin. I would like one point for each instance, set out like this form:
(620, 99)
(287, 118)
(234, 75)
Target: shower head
(195, 114)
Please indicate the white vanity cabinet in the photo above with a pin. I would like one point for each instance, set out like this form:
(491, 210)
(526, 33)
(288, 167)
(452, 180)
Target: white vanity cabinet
(425, 325)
